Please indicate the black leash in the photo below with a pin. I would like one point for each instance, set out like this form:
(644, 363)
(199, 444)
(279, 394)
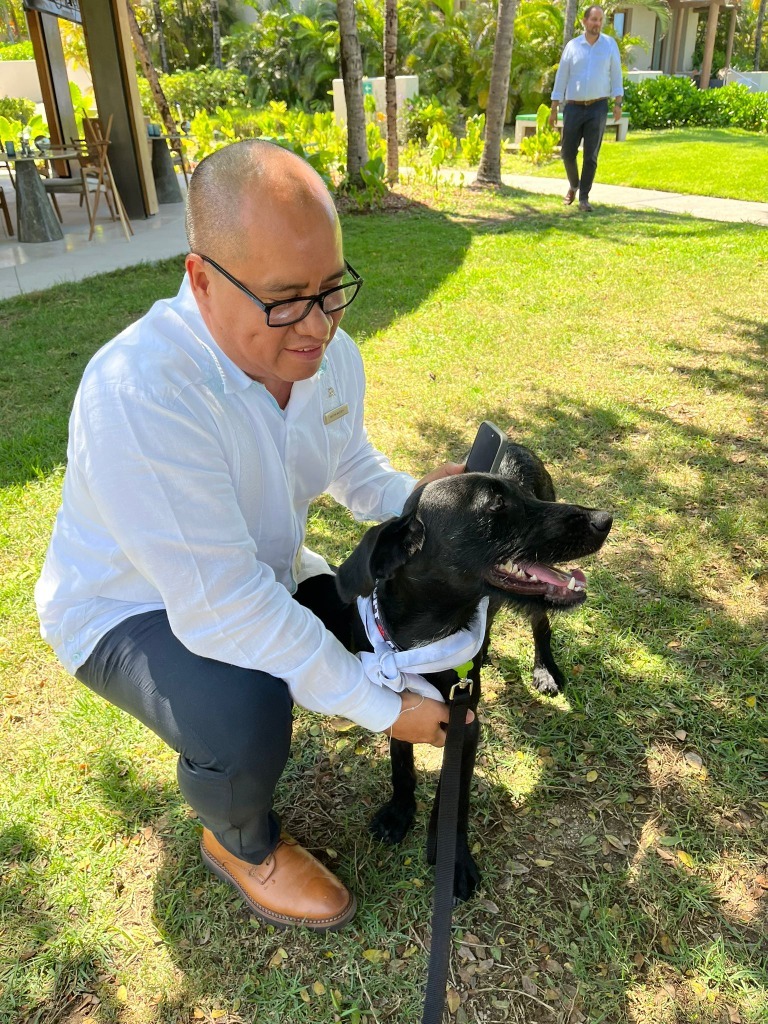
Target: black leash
(447, 817)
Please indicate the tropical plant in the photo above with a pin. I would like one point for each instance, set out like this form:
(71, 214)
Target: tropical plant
(287, 54)
(540, 147)
(471, 144)
(16, 109)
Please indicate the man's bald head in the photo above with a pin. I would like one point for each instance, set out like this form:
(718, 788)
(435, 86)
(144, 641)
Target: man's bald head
(231, 189)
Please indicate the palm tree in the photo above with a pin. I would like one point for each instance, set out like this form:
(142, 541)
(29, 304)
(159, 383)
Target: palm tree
(489, 171)
(158, 15)
(390, 85)
(570, 20)
(142, 51)
(216, 33)
(352, 73)
(759, 33)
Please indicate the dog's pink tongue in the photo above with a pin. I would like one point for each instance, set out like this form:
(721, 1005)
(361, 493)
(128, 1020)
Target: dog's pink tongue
(547, 574)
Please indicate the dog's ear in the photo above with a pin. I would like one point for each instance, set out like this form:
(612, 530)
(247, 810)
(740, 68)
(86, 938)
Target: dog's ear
(381, 552)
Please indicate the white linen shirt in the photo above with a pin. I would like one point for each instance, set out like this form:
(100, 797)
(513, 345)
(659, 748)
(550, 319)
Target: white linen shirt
(589, 71)
(187, 488)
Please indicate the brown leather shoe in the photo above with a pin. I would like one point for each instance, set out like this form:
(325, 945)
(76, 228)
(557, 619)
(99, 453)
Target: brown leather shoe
(289, 887)
(585, 206)
(570, 195)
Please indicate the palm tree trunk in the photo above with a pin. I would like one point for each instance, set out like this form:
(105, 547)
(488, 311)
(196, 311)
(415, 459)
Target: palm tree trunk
(150, 74)
(352, 73)
(759, 33)
(489, 171)
(216, 28)
(570, 20)
(390, 86)
(160, 35)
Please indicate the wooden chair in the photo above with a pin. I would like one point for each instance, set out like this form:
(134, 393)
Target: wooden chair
(97, 142)
(6, 213)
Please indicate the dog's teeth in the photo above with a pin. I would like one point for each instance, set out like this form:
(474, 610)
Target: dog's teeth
(515, 568)
(533, 578)
(579, 589)
(572, 583)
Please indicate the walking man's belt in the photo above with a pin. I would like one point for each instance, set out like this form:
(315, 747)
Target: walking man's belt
(587, 103)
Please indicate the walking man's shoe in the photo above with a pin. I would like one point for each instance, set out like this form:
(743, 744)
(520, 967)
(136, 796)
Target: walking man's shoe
(570, 195)
(290, 887)
(585, 206)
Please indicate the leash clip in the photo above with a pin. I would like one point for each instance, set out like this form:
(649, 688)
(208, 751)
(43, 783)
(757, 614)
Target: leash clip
(461, 690)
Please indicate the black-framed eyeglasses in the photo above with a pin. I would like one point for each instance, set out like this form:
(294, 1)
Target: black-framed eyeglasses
(285, 312)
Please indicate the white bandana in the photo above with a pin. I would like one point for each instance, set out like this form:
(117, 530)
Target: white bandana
(400, 670)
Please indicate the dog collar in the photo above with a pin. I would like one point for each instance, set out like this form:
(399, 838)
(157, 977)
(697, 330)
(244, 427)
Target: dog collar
(387, 665)
(380, 622)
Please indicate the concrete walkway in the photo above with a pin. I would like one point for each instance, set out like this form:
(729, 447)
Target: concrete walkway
(27, 267)
(705, 207)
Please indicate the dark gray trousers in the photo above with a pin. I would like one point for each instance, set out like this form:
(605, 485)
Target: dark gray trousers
(230, 726)
(587, 125)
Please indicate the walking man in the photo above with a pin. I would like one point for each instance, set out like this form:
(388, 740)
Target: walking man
(588, 75)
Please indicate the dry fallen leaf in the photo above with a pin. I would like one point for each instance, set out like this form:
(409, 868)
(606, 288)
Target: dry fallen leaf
(453, 999)
(277, 958)
(122, 994)
(685, 858)
(592, 776)
(667, 944)
(318, 988)
(694, 759)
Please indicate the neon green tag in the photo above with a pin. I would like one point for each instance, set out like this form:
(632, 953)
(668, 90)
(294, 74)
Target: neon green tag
(463, 670)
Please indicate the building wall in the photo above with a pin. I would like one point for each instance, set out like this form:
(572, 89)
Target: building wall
(18, 79)
(643, 25)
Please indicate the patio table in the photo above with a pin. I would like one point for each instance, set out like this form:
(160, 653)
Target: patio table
(35, 219)
(163, 171)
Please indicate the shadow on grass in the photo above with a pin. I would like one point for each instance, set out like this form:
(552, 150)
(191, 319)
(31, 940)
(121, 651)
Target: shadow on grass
(50, 336)
(32, 924)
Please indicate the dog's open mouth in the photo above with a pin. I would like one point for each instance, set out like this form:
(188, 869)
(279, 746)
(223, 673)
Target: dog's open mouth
(535, 579)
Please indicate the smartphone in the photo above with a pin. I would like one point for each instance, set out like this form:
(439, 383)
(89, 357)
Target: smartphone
(487, 449)
(10, 149)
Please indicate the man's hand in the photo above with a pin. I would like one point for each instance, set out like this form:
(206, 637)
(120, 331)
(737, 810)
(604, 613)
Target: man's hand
(447, 469)
(616, 110)
(421, 719)
(553, 116)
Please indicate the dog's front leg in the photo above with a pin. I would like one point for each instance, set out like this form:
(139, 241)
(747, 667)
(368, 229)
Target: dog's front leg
(466, 876)
(547, 677)
(392, 821)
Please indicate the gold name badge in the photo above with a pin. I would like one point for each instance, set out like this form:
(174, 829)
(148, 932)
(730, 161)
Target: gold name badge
(335, 414)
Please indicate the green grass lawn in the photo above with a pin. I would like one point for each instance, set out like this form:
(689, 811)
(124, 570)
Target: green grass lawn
(725, 162)
(621, 829)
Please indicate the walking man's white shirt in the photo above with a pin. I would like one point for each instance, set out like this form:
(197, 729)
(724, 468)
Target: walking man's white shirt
(588, 71)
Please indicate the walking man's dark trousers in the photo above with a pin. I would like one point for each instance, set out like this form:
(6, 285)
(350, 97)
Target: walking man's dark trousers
(583, 122)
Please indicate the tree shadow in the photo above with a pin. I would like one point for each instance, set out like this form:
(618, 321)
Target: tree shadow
(43, 363)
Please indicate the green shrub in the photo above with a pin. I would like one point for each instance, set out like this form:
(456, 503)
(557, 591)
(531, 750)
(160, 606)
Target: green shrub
(422, 113)
(16, 109)
(201, 89)
(667, 102)
(17, 51)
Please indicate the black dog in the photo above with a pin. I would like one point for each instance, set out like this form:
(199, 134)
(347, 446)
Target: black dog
(458, 540)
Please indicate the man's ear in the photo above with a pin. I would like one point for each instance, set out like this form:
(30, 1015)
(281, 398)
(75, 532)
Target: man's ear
(378, 556)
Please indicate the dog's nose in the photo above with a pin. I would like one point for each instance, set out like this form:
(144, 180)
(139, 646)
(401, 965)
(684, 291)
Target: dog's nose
(600, 522)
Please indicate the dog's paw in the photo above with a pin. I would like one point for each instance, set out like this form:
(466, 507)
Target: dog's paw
(546, 683)
(392, 821)
(466, 876)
